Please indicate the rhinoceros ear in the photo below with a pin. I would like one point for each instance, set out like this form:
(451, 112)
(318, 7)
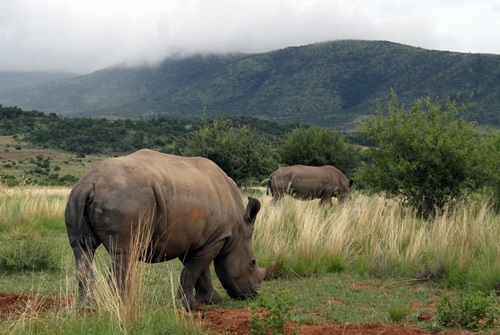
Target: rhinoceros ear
(253, 207)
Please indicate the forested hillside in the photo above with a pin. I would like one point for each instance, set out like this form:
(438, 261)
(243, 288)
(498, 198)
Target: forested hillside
(49, 149)
(331, 84)
(84, 136)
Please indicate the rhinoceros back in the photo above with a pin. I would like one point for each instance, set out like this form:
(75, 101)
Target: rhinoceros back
(189, 201)
(308, 182)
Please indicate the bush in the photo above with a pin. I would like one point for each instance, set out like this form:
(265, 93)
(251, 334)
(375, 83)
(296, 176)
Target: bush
(26, 253)
(318, 146)
(271, 315)
(427, 156)
(469, 310)
(241, 152)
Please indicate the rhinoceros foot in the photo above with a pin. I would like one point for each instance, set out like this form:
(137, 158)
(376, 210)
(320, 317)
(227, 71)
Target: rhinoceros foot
(209, 298)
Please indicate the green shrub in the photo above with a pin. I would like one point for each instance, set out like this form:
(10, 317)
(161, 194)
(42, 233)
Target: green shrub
(469, 310)
(240, 151)
(318, 146)
(271, 315)
(26, 253)
(428, 156)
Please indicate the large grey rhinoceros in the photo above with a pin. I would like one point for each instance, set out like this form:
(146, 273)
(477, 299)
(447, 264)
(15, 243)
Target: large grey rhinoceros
(309, 182)
(192, 211)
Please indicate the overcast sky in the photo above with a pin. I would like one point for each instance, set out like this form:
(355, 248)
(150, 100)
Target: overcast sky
(82, 36)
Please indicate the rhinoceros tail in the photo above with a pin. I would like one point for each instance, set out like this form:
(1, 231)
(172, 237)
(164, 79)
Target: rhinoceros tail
(269, 187)
(76, 214)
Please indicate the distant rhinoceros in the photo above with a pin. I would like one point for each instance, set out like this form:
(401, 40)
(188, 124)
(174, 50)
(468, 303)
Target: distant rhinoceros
(185, 208)
(309, 182)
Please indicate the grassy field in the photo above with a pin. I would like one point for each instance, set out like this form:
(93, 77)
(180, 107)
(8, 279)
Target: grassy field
(368, 261)
(20, 159)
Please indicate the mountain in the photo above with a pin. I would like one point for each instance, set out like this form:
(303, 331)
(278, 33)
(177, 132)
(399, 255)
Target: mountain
(330, 84)
(14, 80)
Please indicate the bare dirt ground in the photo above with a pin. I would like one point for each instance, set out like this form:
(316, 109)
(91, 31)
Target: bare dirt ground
(17, 303)
(221, 321)
(235, 322)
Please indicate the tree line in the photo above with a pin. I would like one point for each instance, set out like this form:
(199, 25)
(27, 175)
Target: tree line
(427, 155)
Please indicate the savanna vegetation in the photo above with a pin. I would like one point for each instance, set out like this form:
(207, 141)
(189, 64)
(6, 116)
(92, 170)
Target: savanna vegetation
(423, 219)
(428, 155)
(371, 255)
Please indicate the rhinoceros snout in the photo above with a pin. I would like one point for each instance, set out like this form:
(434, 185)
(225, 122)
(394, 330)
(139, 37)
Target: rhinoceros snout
(250, 293)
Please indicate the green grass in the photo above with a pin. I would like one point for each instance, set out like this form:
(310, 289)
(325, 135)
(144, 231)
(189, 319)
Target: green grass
(17, 157)
(334, 297)
(398, 312)
(363, 257)
(156, 320)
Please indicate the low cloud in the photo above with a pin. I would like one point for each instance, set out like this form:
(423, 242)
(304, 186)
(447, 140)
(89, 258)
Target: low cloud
(86, 35)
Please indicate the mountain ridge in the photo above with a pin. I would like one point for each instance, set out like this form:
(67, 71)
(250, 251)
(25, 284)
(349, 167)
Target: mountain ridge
(11, 80)
(332, 84)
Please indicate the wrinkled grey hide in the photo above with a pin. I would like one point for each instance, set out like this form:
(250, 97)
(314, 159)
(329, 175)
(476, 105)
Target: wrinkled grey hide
(175, 207)
(309, 182)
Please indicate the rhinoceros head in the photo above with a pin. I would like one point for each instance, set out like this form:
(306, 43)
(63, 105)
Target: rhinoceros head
(237, 268)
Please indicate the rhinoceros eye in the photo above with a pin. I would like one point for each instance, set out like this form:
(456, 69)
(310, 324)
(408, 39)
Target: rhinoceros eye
(253, 262)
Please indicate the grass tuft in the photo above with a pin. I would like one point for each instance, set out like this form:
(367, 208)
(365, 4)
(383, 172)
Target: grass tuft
(27, 252)
(398, 312)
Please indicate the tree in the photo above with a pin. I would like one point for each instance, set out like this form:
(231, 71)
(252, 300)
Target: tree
(318, 146)
(241, 152)
(427, 155)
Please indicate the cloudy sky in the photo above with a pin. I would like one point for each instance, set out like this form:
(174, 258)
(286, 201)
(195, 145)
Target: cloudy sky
(82, 36)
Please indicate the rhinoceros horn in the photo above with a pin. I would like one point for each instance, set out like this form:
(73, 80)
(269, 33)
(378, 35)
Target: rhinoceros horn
(269, 270)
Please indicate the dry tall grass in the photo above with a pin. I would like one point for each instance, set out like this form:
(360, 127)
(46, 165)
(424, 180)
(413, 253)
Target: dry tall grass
(370, 233)
(379, 236)
(136, 304)
(21, 204)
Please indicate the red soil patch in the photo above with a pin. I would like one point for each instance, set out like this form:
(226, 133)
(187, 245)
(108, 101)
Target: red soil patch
(235, 322)
(218, 321)
(364, 286)
(18, 303)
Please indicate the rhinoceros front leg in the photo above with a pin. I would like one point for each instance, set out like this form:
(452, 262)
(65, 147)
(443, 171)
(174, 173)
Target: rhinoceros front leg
(326, 200)
(205, 292)
(185, 292)
(196, 267)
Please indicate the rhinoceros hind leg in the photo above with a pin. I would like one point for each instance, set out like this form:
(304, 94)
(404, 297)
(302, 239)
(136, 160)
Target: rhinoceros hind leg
(119, 281)
(85, 275)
